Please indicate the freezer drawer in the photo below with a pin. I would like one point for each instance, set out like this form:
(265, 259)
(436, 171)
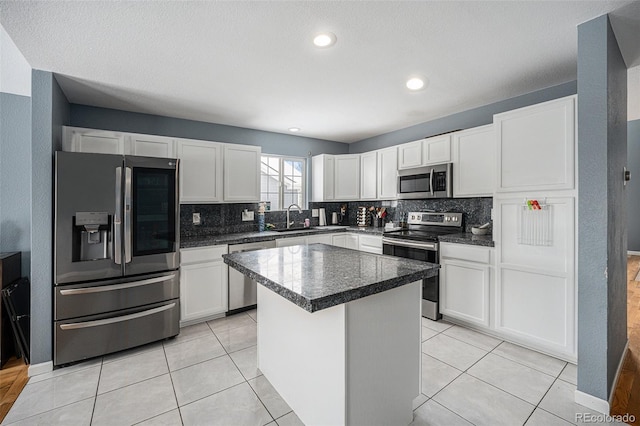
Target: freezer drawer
(76, 340)
(77, 300)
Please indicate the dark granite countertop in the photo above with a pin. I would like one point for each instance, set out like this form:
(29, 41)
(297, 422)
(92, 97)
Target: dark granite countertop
(254, 237)
(468, 238)
(319, 276)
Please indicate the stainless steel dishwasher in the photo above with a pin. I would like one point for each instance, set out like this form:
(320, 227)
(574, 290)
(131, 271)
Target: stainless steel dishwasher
(242, 289)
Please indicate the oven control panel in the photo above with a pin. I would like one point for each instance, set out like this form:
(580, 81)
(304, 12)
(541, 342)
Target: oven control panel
(434, 218)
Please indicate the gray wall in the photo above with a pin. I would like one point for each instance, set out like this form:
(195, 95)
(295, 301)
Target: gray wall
(602, 152)
(50, 110)
(633, 187)
(15, 176)
(462, 120)
(271, 143)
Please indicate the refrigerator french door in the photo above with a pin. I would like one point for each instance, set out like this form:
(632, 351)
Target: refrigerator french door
(116, 255)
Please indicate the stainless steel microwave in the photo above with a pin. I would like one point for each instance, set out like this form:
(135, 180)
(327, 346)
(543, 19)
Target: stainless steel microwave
(425, 182)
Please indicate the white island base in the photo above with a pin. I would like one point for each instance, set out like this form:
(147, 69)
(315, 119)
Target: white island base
(357, 363)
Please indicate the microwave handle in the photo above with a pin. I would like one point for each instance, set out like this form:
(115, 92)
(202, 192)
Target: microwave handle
(431, 181)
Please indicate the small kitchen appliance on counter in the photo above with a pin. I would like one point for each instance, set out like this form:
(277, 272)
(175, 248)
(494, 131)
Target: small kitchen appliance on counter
(420, 242)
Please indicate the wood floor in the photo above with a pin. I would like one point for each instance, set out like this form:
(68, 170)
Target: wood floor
(13, 377)
(626, 398)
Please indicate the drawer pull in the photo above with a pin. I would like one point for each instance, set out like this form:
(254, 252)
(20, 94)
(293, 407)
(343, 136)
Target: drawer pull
(100, 289)
(98, 323)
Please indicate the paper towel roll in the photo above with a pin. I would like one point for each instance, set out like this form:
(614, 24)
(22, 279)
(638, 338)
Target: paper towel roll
(322, 218)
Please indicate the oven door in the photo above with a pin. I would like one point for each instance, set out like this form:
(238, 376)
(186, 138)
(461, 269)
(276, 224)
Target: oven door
(426, 252)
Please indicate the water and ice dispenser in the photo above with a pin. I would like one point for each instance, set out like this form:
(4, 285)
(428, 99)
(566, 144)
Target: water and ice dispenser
(92, 236)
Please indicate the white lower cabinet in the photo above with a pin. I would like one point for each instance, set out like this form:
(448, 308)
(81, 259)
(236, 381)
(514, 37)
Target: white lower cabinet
(321, 239)
(311, 239)
(291, 241)
(370, 243)
(465, 283)
(203, 284)
(346, 240)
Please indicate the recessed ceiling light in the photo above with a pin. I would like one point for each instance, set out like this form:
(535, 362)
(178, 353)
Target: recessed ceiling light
(415, 83)
(324, 39)
(294, 129)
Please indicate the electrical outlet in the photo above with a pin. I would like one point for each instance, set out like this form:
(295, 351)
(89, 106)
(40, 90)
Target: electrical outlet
(196, 218)
(247, 216)
(314, 213)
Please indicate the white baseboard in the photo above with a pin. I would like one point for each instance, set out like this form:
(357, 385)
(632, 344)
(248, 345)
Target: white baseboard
(43, 367)
(633, 253)
(589, 401)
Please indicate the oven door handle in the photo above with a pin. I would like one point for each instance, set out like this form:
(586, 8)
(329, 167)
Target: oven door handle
(410, 244)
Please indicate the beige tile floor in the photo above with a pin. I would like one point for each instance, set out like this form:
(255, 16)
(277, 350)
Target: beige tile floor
(208, 376)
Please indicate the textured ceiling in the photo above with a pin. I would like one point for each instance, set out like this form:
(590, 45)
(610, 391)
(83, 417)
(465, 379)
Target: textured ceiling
(252, 64)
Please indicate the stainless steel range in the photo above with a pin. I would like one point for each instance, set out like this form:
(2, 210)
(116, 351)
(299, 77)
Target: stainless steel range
(420, 242)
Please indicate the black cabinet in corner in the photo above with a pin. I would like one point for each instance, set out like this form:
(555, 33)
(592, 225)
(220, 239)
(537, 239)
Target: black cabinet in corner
(10, 271)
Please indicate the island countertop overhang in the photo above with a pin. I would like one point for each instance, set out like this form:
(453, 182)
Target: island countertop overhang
(319, 276)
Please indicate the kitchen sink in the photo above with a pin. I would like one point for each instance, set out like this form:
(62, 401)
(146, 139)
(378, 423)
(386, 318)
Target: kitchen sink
(312, 228)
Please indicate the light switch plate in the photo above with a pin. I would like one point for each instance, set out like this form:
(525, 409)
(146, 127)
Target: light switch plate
(196, 218)
(247, 216)
(314, 213)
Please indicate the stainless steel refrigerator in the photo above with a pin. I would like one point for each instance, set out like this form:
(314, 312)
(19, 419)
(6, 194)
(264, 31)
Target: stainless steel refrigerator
(116, 254)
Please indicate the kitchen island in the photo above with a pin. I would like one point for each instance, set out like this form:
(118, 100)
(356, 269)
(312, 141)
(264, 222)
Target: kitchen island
(339, 331)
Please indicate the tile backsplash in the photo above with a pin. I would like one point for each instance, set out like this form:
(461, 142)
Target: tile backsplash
(216, 219)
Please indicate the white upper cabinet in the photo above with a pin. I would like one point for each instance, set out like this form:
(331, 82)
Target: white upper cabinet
(200, 171)
(436, 150)
(151, 146)
(77, 139)
(322, 179)
(425, 152)
(410, 155)
(536, 146)
(241, 173)
(474, 162)
(369, 176)
(388, 173)
(347, 177)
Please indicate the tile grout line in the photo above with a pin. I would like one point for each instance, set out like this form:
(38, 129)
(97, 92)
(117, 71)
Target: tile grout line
(172, 385)
(273, 419)
(95, 398)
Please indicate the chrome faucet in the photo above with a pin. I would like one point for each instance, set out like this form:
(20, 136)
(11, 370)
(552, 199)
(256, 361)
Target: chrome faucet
(288, 209)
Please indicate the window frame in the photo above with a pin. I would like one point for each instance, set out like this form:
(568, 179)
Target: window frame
(282, 176)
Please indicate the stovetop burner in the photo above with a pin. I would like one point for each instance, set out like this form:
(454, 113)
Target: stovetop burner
(420, 235)
(427, 226)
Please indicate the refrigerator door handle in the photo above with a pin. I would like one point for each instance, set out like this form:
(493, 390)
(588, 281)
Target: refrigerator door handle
(108, 321)
(127, 215)
(117, 220)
